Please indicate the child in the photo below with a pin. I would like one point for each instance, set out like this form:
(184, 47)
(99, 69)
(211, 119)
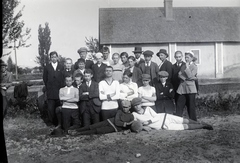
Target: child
(165, 94)
(151, 120)
(78, 79)
(136, 72)
(149, 67)
(120, 122)
(118, 68)
(69, 96)
(68, 67)
(124, 59)
(81, 67)
(90, 105)
(98, 68)
(147, 92)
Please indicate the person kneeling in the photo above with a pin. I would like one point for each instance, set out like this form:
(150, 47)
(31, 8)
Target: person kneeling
(122, 121)
(165, 121)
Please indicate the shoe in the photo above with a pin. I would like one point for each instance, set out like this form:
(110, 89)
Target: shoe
(208, 127)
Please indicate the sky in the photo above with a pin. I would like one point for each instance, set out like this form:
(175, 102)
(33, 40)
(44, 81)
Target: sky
(70, 21)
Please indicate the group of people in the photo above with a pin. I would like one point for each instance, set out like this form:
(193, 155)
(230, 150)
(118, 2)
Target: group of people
(103, 95)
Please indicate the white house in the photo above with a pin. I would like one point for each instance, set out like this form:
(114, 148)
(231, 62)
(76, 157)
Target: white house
(212, 33)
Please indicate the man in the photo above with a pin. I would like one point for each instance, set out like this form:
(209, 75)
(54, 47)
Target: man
(138, 52)
(165, 64)
(106, 52)
(175, 70)
(83, 55)
(149, 67)
(165, 94)
(53, 79)
(109, 93)
(90, 105)
(124, 59)
(68, 70)
(98, 68)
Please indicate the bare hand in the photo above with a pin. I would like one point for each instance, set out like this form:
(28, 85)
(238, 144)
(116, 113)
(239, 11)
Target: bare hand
(145, 123)
(85, 93)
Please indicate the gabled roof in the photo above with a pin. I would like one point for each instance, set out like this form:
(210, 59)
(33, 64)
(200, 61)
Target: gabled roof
(189, 24)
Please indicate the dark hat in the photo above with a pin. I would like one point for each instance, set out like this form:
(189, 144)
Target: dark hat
(126, 104)
(2, 63)
(137, 49)
(82, 49)
(146, 77)
(163, 73)
(136, 126)
(148, 53)
(105, 49)
(136, 101)
(164, 51)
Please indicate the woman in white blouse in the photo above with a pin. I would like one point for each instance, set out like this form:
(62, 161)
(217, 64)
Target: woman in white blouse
(128, 89)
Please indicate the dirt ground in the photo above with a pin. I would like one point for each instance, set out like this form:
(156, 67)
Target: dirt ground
(27, 142)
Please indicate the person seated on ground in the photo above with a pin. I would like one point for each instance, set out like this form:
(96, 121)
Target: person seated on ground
(81, 67)
(128, 89)
(90, 104)
(68, 67)
(118, 68)
(122, 121)
(165, 93)
(151, 120)
(147, 93)
(69, 110)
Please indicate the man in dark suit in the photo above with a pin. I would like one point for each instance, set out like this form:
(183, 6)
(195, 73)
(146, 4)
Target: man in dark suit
(149, 67)
(68, 69)
(99, 68)
(175, 70)
(165, 64)
(164, 93)
(53, 79)
(83, 54)
(90, 105)
(138, 52)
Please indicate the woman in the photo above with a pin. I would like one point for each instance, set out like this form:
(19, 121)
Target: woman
(136, 72)
(147, 93)
(128, 89)
(187, 89)
(118, 68)
(151, 120)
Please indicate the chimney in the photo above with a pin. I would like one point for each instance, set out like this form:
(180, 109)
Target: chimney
(168, 9)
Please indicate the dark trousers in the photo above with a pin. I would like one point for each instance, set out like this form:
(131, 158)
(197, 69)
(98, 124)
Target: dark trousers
(52, 104)
(189, 101)
(106, 114)
(70, 116)
(90, 118)
(165, 106)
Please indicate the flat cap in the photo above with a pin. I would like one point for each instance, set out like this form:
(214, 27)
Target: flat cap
(126, 104)
(163, 73)
(82, 49)
(136, 101)
(146, 77)
(148, 53)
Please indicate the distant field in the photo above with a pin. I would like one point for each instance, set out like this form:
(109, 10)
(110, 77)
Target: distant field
(31, 76)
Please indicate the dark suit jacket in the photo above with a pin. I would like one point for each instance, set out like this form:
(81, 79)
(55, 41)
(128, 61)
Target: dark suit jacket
(137, 76)
(65, 72)
(141, 61)
(98, 72)
(88, 64)
(167, 66)
(89, 100)
(153, 68)
(53, 80)
(175, 79)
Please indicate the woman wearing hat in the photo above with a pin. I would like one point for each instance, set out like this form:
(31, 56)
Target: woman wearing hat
(187, 89)
(148, 117)
(165, 64)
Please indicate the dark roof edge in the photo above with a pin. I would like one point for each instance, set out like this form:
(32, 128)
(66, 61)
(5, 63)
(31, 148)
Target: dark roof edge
(114, 8)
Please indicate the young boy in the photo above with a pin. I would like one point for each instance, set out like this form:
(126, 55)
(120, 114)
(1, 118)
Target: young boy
(120, 122)
(68, 70)
(81, 67)
(69, 111)
(90, 105)
(149, 67)
(165, 93)
(118, 68)
(124, 59)
(78, 79)
(99, 68)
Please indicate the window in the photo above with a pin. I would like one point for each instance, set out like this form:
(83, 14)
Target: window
(196, 53)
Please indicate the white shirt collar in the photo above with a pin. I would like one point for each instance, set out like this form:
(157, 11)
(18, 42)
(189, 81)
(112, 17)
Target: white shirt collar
(148, 63)
(54, 65)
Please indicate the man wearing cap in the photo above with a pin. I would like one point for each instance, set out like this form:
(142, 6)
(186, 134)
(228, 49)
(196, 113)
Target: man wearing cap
(83, 54)
(99, 68)
(138, 52)
(149, 67)
(165, 93)
(165, 64)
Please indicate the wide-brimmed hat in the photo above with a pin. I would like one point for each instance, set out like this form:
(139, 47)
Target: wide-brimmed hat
(163, 73)
(2, 63)
(148, 53)
(82, 49)
(137, 49)
(146, 77)
(164, 51)
(136, 101)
